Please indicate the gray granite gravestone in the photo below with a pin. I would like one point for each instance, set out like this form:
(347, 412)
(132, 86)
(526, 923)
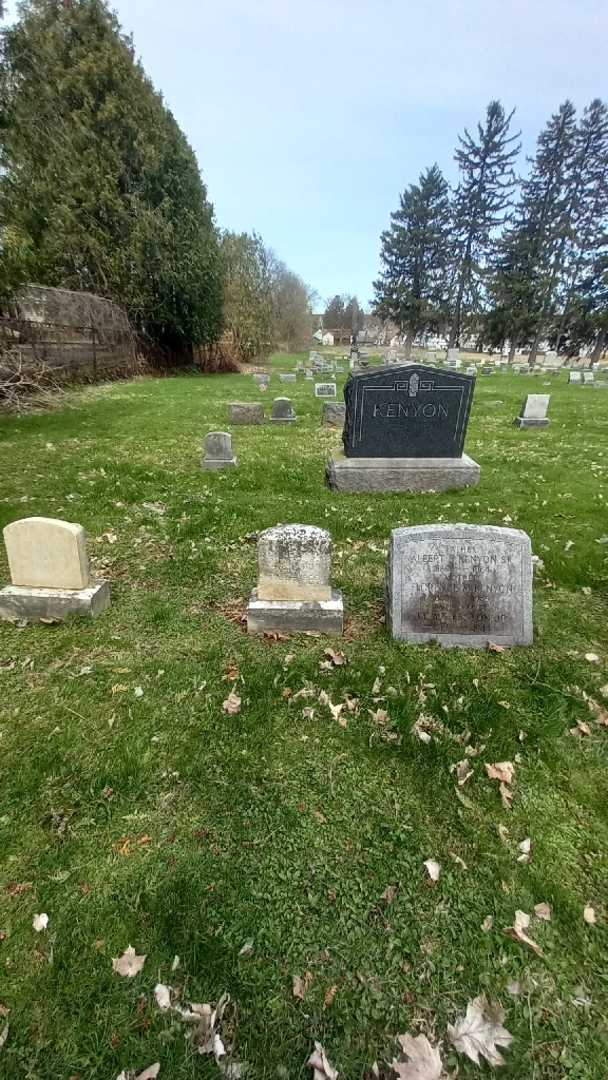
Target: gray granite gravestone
(218, 451)
(460, 585)
(325, 389)
(245, 412)
(288, 378)
(334, 414)
(294, 592)
(404, 431)
(534, 411)
(588, 378)
(282, 411)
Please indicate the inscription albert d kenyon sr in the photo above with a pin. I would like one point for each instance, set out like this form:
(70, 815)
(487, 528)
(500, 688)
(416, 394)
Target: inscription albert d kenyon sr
(465, 585)
(405, 412)
(404, 431)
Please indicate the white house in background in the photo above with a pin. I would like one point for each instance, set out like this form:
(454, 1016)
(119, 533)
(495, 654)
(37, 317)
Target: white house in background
(328, 339)
(318, 337)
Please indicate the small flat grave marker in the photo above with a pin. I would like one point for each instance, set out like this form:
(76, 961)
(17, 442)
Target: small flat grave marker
(325, 390)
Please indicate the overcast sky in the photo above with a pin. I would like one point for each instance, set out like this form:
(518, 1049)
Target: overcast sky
(308, 119)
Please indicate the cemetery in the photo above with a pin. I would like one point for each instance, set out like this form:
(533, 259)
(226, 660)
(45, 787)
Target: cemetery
(320, 745)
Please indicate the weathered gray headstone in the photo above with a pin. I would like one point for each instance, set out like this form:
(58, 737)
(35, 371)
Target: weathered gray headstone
(333, 415)
(288, 378)
(218, 451)
(282, 411)
(261, 379)
(534, 411)
(309, 374)
(325, 389)
(50, 572)
(294, 590)
(466, 585)
(245, 412)
(588, 377)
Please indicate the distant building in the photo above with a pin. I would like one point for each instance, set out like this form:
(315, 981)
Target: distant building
(328, 338)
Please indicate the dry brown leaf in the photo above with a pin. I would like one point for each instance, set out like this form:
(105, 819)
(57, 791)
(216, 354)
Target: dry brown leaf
(321, 1065)
(589, 915)
(463, 771)
(480, 1032)
(460, 862)
(501, 770)
(582, 728)
(389, 894)
(506, 795)
(495, 648)
(543, 911)
(518, 932)
(336, 712)
(4, 1035)
(129, 964)
(423, 1060)
(232, 704)
(330, 994)
(525, 847)
(301, 986)
(600, 713)
(148, 1074)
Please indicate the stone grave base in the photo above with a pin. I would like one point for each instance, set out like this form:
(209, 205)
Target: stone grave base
(283, 419)
(20, 602)
(219, 463)
(531, 421)
(295, 616)
(401, 474)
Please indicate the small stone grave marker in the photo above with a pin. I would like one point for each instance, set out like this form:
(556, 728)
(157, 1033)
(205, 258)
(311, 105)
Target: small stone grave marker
(334, 413)
(50, 572)
(218, 451)
(288, 378)
(282, 411)
(245, 412)
(460, 585)
(534, 411)
(294, 590)
(325, 389)
(588, 378)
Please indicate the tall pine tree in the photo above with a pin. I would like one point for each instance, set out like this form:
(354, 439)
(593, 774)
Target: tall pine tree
(480, 206)
(99, 188)
(412, 287)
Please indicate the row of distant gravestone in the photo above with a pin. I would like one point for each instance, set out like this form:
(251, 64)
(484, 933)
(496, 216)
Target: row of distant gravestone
(465, 585)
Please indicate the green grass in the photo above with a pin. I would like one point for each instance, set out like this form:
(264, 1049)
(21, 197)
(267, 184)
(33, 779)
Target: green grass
(269, 825)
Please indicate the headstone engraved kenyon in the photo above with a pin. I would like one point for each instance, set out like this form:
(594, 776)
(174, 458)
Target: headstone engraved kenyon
(50, 572)
(466, 585)
(404, 431)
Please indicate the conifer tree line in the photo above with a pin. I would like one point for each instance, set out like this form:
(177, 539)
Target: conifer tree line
(501, 258)
(100, 191)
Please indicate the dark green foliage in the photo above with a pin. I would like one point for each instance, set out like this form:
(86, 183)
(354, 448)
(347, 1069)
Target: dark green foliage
(480, 207)
(100, 189)
(415, 254)
(339, 314)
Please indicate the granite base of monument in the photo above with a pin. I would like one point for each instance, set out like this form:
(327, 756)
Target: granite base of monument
(531, 421)
(393, 475)
(19, 602)
(296, 616)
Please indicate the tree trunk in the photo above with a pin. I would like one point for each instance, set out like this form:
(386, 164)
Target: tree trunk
(598, 348)
(512, 348)
(534, 349)
(410, 334)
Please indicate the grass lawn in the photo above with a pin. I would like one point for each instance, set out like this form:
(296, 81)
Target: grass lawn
(158, 820)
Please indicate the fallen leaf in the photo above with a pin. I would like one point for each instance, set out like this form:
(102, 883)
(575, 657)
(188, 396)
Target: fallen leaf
(592, 657)
(162, 994)
(301, 986)
(247, 950)
(581, 728)
(525, 847)
(600, 713)
(17, 888)
(463, 771)
(330, 994)
(3, 1035)
(129, 964)
(589, 915)
(336, 711)
(148, 1074)
(518, 932)
(433, 868)
(460, 862)
(506, 795)
(503, 832)
(320, 1064)
(487, 924)
(501, 770)
(389, 894)
(543, 911)
(480, 1032)
(139, 691)
(232, 704)
(337, 658)
(423, 1060)
(495, 648)
(40, 922)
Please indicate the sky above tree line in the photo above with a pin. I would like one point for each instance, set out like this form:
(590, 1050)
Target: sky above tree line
(309, 119)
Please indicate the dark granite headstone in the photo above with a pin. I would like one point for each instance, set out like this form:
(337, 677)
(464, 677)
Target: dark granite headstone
(407, 412)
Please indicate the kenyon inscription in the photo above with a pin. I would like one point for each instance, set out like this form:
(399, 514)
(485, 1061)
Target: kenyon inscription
(407, 412)
(465, 585)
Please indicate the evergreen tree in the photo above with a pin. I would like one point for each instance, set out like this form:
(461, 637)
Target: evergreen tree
(415, 253)
(99, 188)
(333, 316)
(532, 249)
(353, 318)
(480, 206)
